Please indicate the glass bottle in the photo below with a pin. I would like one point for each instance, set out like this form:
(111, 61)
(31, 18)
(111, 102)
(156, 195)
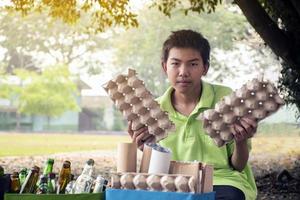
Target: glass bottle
(70, 186)
(15, 183)
(51, 183)
(43, 186)
(84, 182)
(47, 169)
(100, 184)
(22, 176)
(64, 177)
(29, 184)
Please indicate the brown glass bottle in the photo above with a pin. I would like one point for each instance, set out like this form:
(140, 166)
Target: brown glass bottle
(64, 177)
(15, 186)
(29, 184)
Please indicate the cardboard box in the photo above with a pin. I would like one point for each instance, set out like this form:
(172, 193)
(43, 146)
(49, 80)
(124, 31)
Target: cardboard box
(201, 171)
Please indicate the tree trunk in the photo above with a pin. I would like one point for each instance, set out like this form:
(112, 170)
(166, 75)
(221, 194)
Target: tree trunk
(276, 38)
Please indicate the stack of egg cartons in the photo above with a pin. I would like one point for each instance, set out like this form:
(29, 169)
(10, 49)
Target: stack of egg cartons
(256, 99)
(137, 104)
(154, 182)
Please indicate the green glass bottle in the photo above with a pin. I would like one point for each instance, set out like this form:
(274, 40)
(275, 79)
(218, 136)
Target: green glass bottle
(51, 183)
(15, 183)
(22, 175)
(48, 167)
(64, 177)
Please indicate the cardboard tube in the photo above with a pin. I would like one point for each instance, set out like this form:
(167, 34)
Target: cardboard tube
(145, 159)
(126, 160)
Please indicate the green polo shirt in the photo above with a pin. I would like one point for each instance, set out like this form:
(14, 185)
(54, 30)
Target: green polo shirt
(189, 142)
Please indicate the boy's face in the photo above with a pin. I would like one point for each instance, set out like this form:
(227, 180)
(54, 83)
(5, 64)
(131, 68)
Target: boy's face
(184, 69)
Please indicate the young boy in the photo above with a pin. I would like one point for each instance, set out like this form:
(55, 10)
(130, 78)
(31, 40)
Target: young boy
(185, 59)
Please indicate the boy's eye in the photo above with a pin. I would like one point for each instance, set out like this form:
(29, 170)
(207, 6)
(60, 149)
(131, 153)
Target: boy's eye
(174, 63)
(194, 64)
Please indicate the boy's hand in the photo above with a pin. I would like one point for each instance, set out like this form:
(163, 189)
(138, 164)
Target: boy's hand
(139, 136)
(244, 129)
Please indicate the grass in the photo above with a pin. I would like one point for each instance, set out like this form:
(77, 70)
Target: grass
(272, 141)
(278, 129)
(15, 144)
(276, 145)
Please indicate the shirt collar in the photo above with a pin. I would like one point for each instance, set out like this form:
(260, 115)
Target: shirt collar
(206, 99)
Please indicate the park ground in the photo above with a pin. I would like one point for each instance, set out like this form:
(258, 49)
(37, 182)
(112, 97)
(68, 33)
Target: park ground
(275, 159)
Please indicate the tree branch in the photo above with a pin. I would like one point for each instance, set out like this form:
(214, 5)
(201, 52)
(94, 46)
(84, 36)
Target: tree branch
(267, 29)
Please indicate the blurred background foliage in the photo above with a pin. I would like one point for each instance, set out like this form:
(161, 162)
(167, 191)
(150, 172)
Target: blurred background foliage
(50, 44)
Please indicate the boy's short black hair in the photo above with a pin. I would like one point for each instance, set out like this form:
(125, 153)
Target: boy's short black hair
(187, 39)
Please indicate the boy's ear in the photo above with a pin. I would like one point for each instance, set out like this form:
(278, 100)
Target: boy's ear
(164, 66)
(206, 67)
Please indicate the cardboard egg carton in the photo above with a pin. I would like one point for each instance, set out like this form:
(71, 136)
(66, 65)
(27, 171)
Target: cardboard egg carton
(154, 182)
(256, 99)
(137, 104)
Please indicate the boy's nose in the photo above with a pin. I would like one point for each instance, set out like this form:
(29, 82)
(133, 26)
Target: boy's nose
(183, 70)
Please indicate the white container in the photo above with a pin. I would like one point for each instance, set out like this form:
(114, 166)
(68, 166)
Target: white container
(160, 160)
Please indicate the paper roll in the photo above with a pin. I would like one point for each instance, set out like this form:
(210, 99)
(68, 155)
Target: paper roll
(126, 157)
(145, 159)
(160, 160)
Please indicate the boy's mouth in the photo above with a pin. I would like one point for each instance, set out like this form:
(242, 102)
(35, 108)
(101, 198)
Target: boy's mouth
(183, 82)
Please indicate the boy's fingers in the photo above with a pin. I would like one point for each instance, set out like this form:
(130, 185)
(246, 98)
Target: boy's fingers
(240, 131)
(250, 121)
(139, 138)
(248, 127)
(136, 134)
(129, 129)
(148, 138)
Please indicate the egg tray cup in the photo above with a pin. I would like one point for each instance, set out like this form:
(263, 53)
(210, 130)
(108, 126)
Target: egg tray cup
(257, 99)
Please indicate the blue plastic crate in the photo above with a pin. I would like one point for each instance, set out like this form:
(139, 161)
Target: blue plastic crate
(116, 194)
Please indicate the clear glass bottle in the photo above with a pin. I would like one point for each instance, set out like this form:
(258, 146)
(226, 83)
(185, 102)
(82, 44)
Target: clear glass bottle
(43, 186)
(85, 181)
(70, 186)
(100, 184)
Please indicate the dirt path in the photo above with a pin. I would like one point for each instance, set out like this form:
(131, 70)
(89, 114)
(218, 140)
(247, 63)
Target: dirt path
(266, 168)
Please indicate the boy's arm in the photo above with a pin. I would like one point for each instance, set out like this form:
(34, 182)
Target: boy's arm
(242, 132)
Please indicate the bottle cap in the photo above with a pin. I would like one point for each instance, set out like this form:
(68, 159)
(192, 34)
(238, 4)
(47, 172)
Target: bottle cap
(14, 175)
(50, 160)
(51, 175)
(66, 164)
(90, 162)
(44, 179)
(36, 168)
